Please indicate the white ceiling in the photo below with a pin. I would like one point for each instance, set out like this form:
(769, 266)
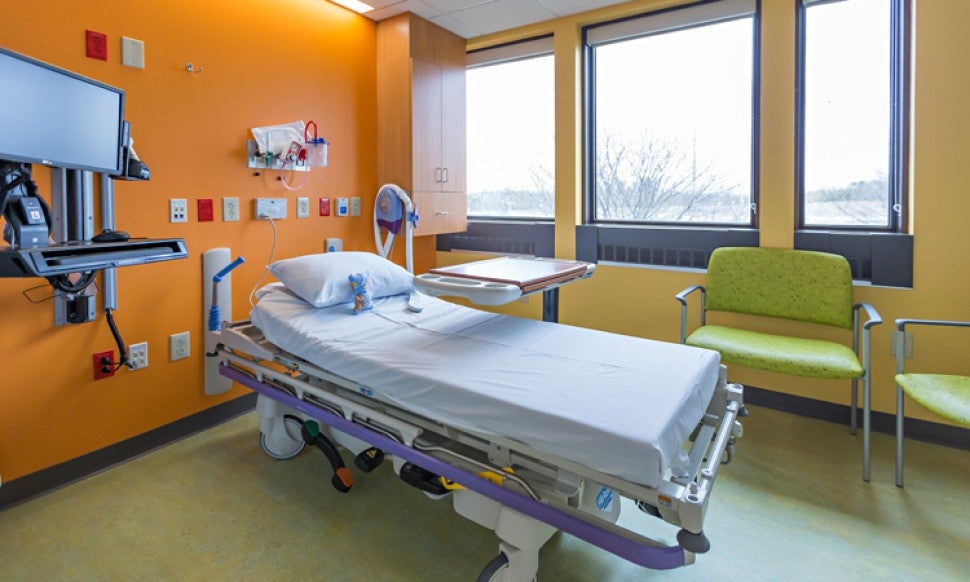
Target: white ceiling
(471, 18)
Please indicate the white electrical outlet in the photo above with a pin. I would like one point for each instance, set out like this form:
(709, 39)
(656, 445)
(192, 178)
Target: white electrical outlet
(274, 208)
(343, 206)
(303, 207)
(334, 245)
(179, 346)
(178, 210)
(138, 355)
(355, 206)
(230, 209)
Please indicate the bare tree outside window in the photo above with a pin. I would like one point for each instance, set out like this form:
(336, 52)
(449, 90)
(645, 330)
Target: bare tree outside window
(659, 180)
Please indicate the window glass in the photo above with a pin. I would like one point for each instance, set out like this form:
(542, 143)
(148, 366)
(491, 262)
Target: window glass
(511, 138)
(847, 131)
(673, 118)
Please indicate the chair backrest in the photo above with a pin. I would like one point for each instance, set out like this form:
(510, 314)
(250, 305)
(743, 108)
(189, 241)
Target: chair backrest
(802, 285)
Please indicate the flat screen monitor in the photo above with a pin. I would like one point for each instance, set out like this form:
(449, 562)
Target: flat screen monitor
(57, 118)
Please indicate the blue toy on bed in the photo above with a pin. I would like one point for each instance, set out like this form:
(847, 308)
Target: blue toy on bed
(362, 300)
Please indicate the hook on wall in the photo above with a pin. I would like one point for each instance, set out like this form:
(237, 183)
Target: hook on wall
(192, 68)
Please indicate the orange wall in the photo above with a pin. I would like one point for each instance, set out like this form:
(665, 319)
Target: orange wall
(263, 63)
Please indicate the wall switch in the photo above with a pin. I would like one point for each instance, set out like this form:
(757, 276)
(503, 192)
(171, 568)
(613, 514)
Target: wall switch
(205, 209)
(303, 207)
(138, 355)
(324, 207)
(355, 206)
(270, 208)
(230, 209)
(178, 210)
(96, 45)
(132, 53)
(343, 207)
(334, 245)
(179, 346)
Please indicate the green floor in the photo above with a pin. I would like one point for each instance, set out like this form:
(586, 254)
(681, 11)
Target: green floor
(792, 506)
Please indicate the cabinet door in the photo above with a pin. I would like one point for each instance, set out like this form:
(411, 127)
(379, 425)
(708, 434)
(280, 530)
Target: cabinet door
(440, 212)
(453, 128)
(426, 125)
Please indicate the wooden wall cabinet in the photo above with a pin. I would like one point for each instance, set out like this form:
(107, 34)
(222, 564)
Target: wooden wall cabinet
(421, 119)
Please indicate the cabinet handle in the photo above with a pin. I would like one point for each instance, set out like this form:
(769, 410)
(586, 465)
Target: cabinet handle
(444, 174)
(437, 175)
(442, 213)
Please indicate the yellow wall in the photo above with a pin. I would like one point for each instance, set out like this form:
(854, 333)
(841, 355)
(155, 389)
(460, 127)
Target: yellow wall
(264, 63)
(639, 301)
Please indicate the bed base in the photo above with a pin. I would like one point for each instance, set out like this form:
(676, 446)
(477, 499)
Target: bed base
(525, 509)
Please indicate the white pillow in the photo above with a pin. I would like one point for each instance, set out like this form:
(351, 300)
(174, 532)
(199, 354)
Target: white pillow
(321, 280)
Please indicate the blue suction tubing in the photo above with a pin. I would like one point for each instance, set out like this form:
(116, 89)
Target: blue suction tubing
(215, 318)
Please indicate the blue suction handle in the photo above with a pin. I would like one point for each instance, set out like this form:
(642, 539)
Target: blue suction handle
(215, 318)
(221, 274)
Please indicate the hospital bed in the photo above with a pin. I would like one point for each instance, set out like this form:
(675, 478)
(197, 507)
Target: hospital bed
(526, 427)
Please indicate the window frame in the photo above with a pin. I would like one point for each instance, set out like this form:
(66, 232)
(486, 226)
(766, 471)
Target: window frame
(679, 244)
(520, 235)
(899, 135)
(880, 256)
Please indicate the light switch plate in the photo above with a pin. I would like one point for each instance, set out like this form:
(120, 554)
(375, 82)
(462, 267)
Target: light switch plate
(132, 53)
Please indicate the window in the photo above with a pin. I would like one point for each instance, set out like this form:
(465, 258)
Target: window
(672, 117)
(511, 131)
(852, 115)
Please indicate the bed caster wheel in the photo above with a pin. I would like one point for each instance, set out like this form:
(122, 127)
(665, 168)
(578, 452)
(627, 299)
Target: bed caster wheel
(286, 443)
(495, 570)
(693, 542)
(369, 460)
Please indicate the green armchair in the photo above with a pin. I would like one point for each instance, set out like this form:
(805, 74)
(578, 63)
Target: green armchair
(944, 394)
(788, 284)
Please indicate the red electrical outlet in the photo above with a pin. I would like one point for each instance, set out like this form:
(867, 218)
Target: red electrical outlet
(205, 210)
(103, 364)
(96, 44)
(324, 207)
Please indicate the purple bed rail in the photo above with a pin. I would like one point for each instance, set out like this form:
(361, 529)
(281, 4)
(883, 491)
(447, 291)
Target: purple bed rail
(655, 557)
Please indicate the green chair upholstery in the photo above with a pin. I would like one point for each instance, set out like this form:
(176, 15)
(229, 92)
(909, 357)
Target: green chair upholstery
(786, 284)
(945, 394)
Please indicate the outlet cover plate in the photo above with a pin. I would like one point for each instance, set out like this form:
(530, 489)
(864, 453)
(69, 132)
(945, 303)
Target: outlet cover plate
(180, 348)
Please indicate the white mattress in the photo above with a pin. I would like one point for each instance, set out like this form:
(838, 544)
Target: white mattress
(618, 404)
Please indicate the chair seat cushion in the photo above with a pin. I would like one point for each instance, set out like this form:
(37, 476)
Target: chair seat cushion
(948, 396)
(776, 353)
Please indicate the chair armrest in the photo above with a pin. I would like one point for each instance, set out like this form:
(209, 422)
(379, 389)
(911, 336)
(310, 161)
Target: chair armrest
(902, 323)
(682, 298)
(901, 337)
(873, 317)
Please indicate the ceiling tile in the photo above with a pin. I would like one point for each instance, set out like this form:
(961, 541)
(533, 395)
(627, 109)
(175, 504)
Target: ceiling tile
(416, 6)
(461, 29)
(567, 7)
(446, 6)
(502, 15)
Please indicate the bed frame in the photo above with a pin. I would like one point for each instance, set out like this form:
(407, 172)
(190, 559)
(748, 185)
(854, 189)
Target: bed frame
(524, 506)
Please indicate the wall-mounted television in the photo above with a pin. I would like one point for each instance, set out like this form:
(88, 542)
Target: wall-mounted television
(57, 118)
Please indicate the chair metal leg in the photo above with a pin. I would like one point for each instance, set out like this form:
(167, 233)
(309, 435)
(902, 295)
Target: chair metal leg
(900, 398)
(865, 428)
(853, 421)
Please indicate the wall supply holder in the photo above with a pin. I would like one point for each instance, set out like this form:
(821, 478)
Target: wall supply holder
(258, 161)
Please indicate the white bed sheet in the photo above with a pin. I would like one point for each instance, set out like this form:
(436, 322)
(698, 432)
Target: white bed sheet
(618, 404)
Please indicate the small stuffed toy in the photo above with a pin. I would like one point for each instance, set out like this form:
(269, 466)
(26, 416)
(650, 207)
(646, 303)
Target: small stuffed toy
(362, 300)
